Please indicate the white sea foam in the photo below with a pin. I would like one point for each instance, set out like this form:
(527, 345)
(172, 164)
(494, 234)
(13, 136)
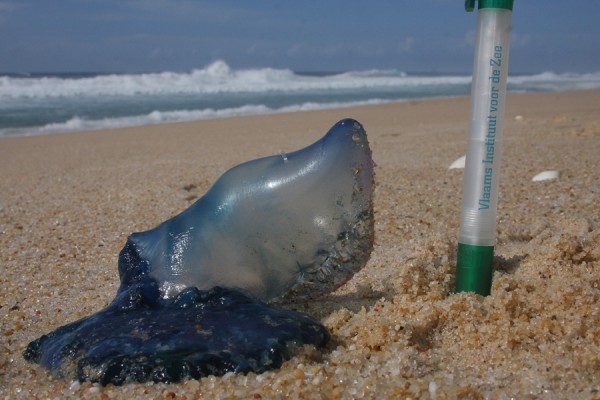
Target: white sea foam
(157, 117)
(550, 81)
(215, 78)
(52, 103)
(218, 77)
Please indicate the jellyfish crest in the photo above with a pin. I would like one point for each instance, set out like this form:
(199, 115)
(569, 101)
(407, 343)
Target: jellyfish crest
(286, 226)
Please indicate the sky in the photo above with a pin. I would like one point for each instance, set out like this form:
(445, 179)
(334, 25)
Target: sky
(427, 36)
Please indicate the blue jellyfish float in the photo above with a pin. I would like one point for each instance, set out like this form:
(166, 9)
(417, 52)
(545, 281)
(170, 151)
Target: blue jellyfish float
(199, 292)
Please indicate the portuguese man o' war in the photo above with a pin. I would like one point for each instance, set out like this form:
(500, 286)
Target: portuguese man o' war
(194, 290)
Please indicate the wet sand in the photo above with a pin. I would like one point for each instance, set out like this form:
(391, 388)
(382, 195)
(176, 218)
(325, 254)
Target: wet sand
(68, 202)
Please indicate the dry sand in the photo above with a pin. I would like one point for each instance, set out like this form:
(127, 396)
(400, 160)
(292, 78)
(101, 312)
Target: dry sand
(68, 202)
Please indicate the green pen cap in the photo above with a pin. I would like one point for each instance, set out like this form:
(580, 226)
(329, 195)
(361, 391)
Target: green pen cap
(474, 269)
(506, 4)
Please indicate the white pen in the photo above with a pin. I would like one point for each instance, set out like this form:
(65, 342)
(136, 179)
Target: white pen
(484, 148)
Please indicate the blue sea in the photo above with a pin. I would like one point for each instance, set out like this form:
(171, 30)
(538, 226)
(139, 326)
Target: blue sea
(33, 104)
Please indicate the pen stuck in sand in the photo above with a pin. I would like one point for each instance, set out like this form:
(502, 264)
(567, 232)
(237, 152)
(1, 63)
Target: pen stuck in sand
(484, 148)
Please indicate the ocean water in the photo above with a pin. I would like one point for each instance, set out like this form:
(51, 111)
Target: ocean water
(46, 103)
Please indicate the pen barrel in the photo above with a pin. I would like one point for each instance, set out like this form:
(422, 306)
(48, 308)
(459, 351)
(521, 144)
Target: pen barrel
(484, 151)
(484, 145)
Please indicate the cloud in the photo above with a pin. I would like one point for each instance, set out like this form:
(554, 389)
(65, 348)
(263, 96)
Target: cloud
(213, 12)
(406, 45)
(516, 39)
(7, 8)
(519, 40)
(363, 50)
(160, 53)
(469, 39)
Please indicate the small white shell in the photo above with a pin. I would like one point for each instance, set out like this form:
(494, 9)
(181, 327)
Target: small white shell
(459, 163)
(546, 175)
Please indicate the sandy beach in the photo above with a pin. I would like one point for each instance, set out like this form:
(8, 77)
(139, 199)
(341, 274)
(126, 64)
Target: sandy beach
(69, 201)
